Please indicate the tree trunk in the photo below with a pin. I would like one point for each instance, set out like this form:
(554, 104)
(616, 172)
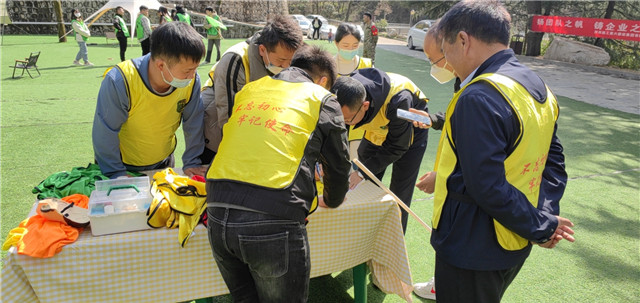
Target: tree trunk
(532, 40)
(61, 28)
(607, 15)
(346, 17)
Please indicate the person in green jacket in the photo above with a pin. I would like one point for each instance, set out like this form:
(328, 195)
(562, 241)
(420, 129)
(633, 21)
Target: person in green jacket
(214, 26)
(143, 29)
(82, 34)
(122, 32)
(163, 15)
(183, 16)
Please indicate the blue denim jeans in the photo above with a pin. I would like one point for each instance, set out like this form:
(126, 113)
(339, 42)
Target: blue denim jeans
(82, 52)
(262, 258)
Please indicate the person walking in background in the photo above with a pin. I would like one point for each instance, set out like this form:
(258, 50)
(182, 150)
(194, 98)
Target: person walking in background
(330, 36)
(163, 15)
(316, 24)
(183, 16)
(143, 29)
(370, 37)
(122, 32)
(260, 185)
(500, 165)
(214, 26)
(82, 34)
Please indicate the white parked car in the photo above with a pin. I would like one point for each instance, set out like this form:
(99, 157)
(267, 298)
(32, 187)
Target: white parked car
(303, 22)
(415, 37)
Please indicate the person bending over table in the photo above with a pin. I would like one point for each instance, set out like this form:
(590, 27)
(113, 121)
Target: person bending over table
(142, 102)
(265, 53)
(369, 99)
(261, 183)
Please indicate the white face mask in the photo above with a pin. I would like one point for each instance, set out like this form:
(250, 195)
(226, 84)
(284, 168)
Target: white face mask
(77, 14)
(441, 74)
(272, 68)
(177, 83)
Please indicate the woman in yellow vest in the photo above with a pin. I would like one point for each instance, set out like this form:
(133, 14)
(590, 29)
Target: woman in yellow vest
(82, 34)
(347, 60)
(260, 185)
(370, 99)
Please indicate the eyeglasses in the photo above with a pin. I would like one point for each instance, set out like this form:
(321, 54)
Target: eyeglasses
(354, 115)
(434, 63)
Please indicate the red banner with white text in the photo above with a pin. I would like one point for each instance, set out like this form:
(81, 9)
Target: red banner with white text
(589, 27)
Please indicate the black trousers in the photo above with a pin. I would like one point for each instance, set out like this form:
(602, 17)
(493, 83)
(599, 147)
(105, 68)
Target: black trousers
(463, 285)
(405, 170)
(123, 46)
(316, 33)
(146, 46)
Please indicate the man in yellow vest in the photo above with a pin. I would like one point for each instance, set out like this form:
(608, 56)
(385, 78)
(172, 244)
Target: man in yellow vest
(143, 101)
(264, 54)
(369, 99)
(500, 166)
(261, 183)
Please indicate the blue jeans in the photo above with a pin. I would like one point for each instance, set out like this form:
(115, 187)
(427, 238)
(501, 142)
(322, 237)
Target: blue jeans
(262, 258)
(83, 52)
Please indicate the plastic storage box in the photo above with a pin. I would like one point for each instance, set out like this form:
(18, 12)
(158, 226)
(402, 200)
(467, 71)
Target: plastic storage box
(119, 205)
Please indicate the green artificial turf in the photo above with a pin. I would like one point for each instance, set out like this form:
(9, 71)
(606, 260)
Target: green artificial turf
(46, 127)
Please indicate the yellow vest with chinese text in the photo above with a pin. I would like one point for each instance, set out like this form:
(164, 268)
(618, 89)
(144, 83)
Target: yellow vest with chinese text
(241, 49)
(272, 122)
(523, 167)
(148, 135)
(376, 130)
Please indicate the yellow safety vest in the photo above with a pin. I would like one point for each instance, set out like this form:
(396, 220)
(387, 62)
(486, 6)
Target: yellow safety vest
(523, 167)
(271, 123)
(178, 201)
(149, 134)
(376, 130)
(241, 49)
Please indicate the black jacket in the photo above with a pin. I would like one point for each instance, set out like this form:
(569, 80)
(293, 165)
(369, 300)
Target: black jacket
(401, 134)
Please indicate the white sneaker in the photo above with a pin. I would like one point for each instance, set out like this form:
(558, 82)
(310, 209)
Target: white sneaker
(76, 62)
(426, 290)
(87, 63)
